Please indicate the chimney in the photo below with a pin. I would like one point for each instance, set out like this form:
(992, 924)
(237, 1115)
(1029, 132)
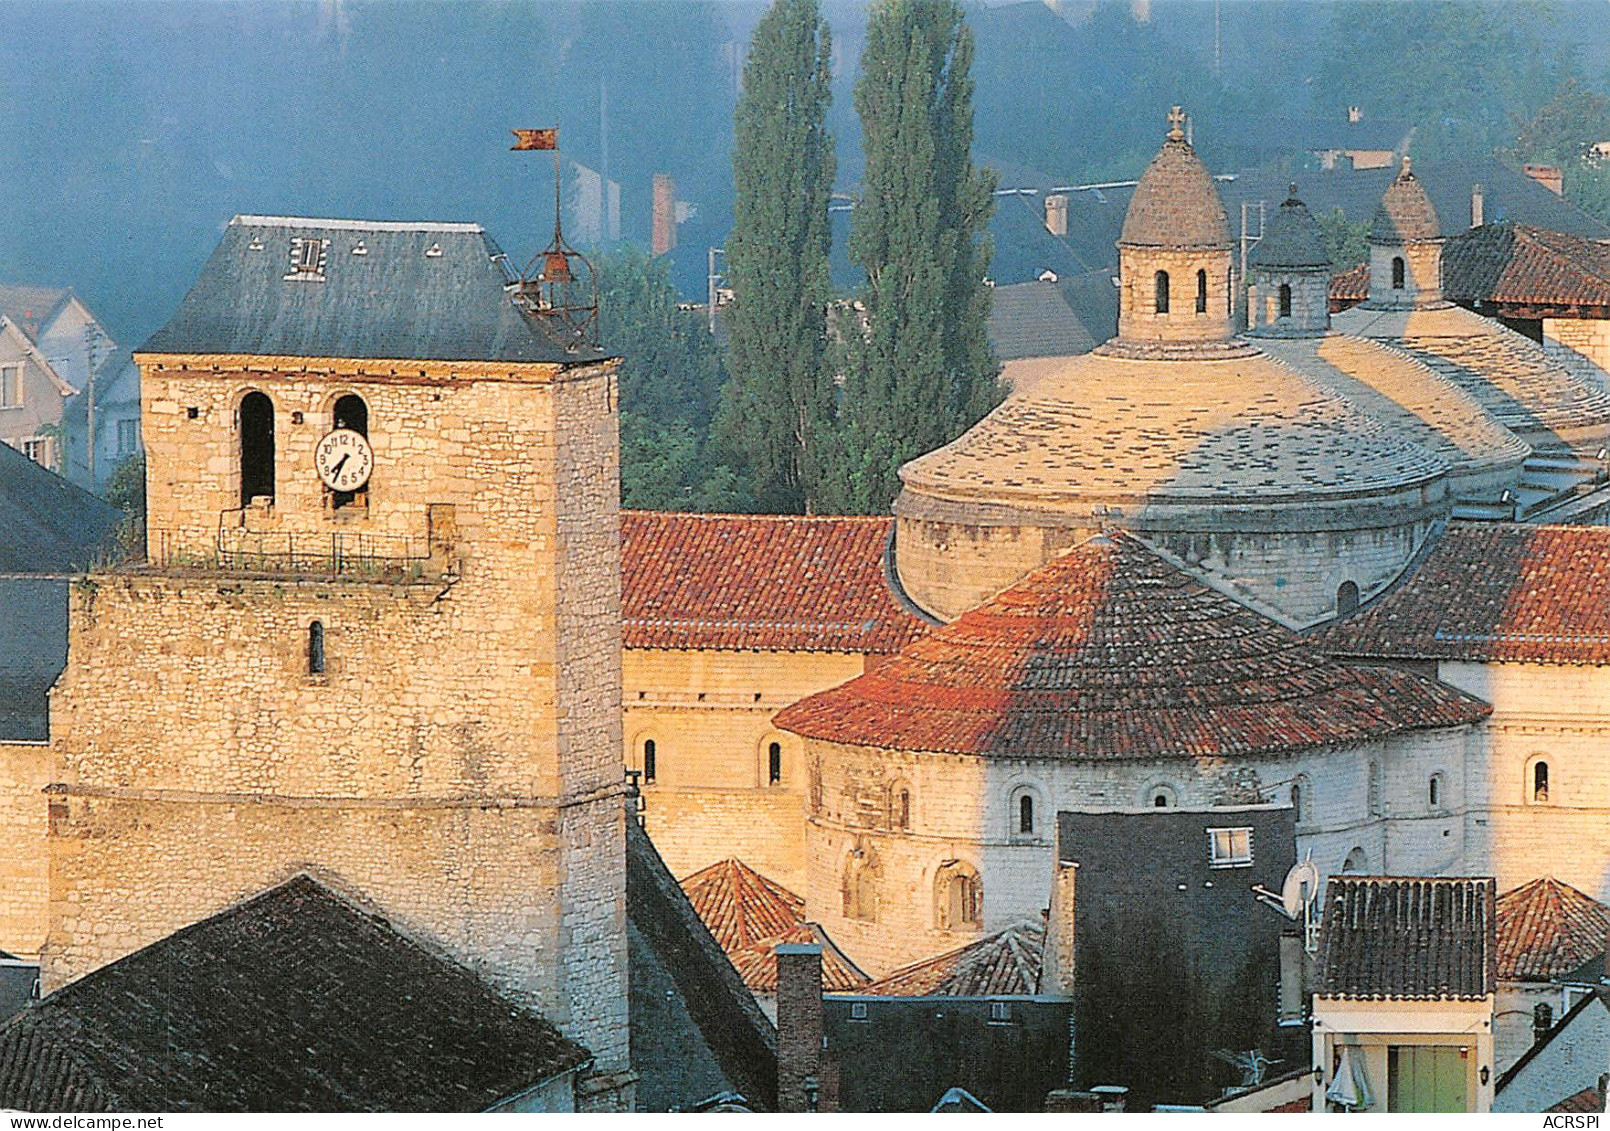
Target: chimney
(1293, 974)
(1056, 215)
(1478, 206)
(1542, 1021)
(664, 235)
(799, 1026)
(1355, 114)
(1065, 1100)
(1549, 176)
(1113, 1097)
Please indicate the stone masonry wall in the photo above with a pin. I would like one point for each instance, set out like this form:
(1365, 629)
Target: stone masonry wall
(1587, 336)
(1138, 319)
(25, 770)
(709, 714)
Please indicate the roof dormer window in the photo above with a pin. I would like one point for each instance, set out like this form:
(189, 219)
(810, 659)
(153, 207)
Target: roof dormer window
(308, 255)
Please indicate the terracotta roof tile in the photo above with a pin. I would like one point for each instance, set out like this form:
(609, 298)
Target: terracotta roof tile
(1349, 287)
(1008, 962)
(1518, 263)
(1111, 652)
(1407, 937)
(1493, 592)
(749, 915)
(1587, 1101)
(759, 582)
(1547, 929)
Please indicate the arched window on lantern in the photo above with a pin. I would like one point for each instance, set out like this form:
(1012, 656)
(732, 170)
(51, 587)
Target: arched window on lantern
(1201, 292)
(1285, 300)
(958, 896)
(1398, 273)
(1160, 285)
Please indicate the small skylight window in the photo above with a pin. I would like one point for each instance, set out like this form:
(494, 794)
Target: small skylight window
(434, 251)
(255, 245)
(360, 248)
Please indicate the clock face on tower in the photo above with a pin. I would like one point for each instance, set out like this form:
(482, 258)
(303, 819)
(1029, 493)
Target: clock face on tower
(344, 460)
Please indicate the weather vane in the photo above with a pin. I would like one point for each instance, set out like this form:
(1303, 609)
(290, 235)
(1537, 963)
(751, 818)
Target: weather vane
(559, 285)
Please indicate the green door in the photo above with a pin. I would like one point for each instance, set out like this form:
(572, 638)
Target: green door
(1426, 1078)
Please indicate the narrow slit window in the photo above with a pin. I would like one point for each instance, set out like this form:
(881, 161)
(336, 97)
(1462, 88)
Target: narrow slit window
(1025, 815)
(774, 763)
(1201, 292)
(902, 809)
(315, 648)
(649, 767)
(1161, 283)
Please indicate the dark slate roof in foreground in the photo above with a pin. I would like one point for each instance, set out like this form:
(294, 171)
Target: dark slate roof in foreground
(47, 525)
(428, 292)
(1408, 937)
(292, 1001)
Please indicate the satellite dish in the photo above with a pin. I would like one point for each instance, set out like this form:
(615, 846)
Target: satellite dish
(1301, 888)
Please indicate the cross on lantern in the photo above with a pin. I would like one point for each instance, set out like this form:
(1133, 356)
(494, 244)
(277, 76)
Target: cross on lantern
(1176, 124)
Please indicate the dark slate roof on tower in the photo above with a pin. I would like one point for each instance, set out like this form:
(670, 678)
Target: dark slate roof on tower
(1408, 937)
(1405, 214)
(1110, 652)
(395, 291)
(1176, 205)
(294, 1001)
(1293, 240)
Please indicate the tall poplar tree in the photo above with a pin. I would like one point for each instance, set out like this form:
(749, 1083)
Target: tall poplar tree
(779, 403)
(922, 371)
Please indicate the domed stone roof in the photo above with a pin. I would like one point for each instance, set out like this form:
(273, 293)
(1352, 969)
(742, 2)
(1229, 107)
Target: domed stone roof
(1175, 206)
(1293, 241)
(1110, 652)
(1405, 214)
(1100, 429)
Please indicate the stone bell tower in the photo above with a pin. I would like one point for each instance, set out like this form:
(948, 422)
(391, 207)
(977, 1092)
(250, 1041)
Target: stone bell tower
(377, 634)
(1174, 255)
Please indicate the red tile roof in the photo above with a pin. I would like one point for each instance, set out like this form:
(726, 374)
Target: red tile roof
(1588, 1100)
(1350, 287)
(1493, 592)
(1407, 937)
(1520, 264)
(1111, 652)
(749, 915)
(1547, 930)
(760, 582)
(1009, 962)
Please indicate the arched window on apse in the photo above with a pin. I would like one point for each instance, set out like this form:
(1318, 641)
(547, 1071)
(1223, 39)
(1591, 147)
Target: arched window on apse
(1373, 789)
(1434, 791)
(774, 763)
(1300, 798)
(1537, 782)
(900, 806)
(650, 759)
(1346, 599)
(860, 886)
(256, 448)
(958, 896)
(1356, 863)
(1025, 815)
(1160, 282)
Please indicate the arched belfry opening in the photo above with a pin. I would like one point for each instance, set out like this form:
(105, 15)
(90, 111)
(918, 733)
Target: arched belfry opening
(256, 448)
(351, 412)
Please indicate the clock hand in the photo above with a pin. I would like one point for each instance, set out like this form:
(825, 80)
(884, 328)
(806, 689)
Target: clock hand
(339, 464)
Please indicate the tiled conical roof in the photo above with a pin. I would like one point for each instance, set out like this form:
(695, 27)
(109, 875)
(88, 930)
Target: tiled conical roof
(1175, 205)
(1293, 240)
(1110, 652)
(1547, 930)
(1009, 962)
(1405, 214)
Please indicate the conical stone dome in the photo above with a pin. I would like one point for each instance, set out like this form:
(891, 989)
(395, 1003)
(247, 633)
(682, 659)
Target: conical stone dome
(1293, 241)
(1175, 206)
(1110, 652)
(1405, 214)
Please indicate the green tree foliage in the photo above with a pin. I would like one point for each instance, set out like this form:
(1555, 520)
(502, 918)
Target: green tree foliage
(1459, 70)
(920, 371)
(125, 490)
(780, 401)
(670, 383)
(1563, 133)
(1346, 243)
